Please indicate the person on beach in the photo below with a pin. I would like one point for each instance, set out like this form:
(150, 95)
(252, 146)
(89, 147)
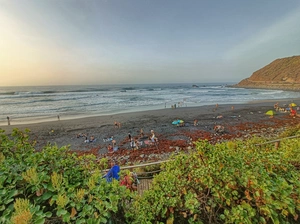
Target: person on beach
(92, 138)
(195, 122)
(117, 124)
(137, 144)
(129, 137)
(114, 145)
(8, 120)
(113, 173)
(132, 143)
(293, 112)
(219, 129)
(79, 135)
(110, 148)
(141, 133)
(153, 138)
(58, 118)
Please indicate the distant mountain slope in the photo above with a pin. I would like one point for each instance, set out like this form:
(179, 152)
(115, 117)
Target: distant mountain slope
(283, 73)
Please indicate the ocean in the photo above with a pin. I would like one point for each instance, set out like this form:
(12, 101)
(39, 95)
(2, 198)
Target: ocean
(44, 103)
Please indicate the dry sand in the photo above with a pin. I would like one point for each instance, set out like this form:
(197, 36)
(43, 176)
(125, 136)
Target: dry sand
(244, 116)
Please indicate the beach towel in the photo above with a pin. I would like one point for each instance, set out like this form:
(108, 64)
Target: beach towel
(148, 142)
(108, 139)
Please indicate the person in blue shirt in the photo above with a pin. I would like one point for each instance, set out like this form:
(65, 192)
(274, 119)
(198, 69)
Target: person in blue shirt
(113, 173)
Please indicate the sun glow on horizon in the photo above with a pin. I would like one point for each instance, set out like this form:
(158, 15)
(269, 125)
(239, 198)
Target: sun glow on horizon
(114, 42)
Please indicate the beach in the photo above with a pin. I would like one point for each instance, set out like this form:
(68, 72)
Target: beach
(240, 121)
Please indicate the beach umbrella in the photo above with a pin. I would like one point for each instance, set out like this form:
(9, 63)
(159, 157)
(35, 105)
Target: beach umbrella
(293, 105)
(177, 122)
(270, 112)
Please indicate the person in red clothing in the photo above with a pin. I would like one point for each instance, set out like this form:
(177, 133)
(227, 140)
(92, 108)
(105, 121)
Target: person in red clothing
(130, 181)
(293, 112)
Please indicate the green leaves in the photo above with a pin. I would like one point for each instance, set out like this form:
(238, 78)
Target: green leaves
(25, 173)
(233, 183)
(61, 212)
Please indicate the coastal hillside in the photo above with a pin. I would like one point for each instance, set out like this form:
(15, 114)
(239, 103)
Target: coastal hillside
(283, 73)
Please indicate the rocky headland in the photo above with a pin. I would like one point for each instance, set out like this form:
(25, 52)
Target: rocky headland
(283, 73)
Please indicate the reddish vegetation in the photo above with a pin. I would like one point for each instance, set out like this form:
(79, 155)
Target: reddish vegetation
(267, 128)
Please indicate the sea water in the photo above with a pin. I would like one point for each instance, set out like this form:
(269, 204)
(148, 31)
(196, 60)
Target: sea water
(43, 103)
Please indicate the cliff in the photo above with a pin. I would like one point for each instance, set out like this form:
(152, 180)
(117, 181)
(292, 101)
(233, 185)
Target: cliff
(283, 73)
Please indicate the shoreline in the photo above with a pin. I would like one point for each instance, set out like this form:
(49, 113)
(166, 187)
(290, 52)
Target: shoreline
(122, 117)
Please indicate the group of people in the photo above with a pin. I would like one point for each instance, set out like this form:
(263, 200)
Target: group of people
(130, 179)
(86, 138)
(137, 142)
(290, 109)
(90, 139)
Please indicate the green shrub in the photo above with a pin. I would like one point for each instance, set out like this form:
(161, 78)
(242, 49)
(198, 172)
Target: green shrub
(226, 183)
(230, 182)
(54, 184)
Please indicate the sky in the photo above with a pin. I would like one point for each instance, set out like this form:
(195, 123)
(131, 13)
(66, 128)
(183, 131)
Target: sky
(98, 42)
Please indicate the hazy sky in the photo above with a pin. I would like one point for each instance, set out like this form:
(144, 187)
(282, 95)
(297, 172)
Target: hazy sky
(67, 42)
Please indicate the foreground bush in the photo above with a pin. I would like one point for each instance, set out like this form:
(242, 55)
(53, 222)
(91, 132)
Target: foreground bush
(54, 186)
(234, 182)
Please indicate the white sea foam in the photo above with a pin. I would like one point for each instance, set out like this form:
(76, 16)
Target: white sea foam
(25, 104)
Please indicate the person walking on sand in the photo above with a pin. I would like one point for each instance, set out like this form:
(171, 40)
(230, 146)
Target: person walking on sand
(58, 118)
(8, 120)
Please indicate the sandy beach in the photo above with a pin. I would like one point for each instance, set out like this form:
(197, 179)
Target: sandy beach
(239, 120)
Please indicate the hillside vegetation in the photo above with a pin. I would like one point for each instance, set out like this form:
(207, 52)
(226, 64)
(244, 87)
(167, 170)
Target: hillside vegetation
(282, 73)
